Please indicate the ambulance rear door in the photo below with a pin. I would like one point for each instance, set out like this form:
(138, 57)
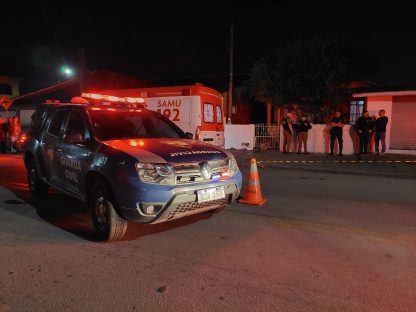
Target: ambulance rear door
(212, 125)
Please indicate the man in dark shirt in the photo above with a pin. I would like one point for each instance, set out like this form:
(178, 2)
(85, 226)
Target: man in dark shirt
(380, 129)
(302, 127)
(287, 134)
(364, 126)
(336, 133)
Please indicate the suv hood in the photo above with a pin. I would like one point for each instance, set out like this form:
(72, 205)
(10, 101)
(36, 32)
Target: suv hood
(168, 150)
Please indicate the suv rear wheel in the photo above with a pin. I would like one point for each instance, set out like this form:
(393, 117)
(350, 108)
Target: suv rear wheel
(36, 185)
(108, 225)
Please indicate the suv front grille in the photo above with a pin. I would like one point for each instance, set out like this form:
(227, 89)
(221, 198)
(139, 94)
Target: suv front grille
(191, 172)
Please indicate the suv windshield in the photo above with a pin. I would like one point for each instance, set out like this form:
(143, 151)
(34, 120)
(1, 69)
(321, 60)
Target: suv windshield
(125, 124)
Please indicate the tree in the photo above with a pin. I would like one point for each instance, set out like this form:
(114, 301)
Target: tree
(310, 73)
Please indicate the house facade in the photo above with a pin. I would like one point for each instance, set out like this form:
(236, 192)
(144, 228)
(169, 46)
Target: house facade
(400, 107)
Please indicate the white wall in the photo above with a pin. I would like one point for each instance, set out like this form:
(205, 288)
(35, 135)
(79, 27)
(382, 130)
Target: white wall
(25, 116)
(237, 135)
(319, 140)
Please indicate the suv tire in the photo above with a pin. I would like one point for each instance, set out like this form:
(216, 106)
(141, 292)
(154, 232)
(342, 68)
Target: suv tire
(36, 185)
(108, 225)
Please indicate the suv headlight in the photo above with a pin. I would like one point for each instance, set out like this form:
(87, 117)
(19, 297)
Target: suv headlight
(156, 173)
(232, 165)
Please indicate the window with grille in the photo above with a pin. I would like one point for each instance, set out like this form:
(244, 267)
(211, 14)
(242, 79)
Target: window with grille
(356, 109)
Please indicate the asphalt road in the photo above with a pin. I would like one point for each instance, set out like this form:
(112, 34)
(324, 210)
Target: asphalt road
(322, 242)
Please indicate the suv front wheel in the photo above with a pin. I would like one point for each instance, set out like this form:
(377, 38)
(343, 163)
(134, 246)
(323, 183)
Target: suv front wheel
(108, 225)
(36, 185)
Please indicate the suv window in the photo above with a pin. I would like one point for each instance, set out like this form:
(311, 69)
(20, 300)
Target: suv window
(109, 125)
(76, 123)
(55, 125)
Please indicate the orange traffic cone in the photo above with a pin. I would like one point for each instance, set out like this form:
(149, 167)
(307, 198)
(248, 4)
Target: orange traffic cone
(252, 194)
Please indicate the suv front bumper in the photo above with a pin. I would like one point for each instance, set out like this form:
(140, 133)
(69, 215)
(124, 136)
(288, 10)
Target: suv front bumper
(173, 202)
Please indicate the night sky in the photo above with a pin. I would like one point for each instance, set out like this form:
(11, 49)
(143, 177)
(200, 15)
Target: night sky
(183, 40)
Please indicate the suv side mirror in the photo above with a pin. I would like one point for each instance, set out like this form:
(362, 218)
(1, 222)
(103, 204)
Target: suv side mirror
(189, 135)
(74, 137)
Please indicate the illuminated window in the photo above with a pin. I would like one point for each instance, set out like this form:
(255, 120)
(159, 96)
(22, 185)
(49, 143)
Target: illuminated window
(208, 113)
(356, 109)
(219, 114)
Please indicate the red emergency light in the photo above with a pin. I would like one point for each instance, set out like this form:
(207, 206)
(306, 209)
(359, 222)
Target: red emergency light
(112, 98)
(135, 142)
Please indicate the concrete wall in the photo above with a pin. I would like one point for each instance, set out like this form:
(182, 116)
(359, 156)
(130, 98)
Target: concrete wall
(319, 140)
(237, 136)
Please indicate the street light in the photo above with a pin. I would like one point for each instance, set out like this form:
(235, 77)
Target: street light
(67, 71)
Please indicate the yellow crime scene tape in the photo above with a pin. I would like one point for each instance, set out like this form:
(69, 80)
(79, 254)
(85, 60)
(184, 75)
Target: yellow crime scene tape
(337, 161)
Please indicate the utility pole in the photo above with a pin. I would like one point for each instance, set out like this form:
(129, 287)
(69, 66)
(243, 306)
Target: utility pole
(230, 84)
(81, 70)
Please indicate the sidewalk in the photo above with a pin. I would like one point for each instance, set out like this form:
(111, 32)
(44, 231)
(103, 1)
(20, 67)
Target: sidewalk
(388, 165)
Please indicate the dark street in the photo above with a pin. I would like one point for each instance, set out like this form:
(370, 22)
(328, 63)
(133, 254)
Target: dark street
(322, 242)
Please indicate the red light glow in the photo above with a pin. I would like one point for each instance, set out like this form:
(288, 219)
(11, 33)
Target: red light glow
(136, 143)
(96, 96)
(113, 98)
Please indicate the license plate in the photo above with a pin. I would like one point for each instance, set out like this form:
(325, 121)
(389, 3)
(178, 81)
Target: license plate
(210, 194)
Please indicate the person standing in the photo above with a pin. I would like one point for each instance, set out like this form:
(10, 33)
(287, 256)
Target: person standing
(380, 130)
(287, 134)
(364, 126)
(302, 128)
(14, 132)
(3, 135)
(336, 133)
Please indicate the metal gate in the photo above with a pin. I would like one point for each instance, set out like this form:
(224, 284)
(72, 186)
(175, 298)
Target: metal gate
(267, 137)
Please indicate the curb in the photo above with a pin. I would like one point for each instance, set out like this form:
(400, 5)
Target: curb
(375, 174)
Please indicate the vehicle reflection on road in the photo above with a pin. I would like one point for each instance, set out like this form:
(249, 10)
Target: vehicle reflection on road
(63, 211)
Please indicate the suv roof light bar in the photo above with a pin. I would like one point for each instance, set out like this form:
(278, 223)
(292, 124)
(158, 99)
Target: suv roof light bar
(112, 98)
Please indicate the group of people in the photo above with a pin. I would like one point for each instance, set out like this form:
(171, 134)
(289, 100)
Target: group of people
(366, 127)
(301, 127)
(9, 130)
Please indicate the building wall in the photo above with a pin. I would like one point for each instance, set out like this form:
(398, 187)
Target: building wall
(319, 140)
(376, 103)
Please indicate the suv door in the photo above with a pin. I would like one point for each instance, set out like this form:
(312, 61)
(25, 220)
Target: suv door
(74, 157)
(50, 145)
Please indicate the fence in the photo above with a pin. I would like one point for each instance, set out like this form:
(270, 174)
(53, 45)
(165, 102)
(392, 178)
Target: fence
(266, 137)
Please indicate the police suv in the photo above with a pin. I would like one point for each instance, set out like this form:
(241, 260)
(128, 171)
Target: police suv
(126, 163)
